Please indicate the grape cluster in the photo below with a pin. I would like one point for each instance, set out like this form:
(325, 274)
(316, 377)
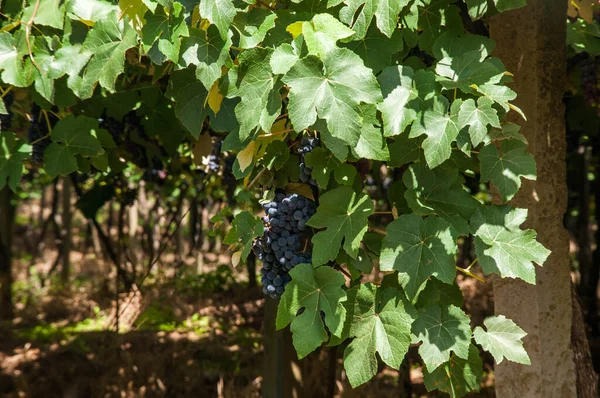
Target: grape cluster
(37, 130)
(214, 160)
(307, 144)
(280, 248)
(6, 120)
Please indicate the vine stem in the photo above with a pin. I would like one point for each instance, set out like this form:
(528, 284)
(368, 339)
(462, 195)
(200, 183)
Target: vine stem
(277, 133)
(28, 26)
(472, 275)
(260, 173)
(343, 271)
(472, 264)
(4, 92)
(382, 213)
(377, 230)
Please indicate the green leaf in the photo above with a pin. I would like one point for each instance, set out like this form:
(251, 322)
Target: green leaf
(189, 95)
(583, 37)
(244, 229)
(254, 82)
(207, 51)
(344, 214)
(500, 95)
(283, 58)
(401, 101)
(478, 117)
(442, 330)
(458, 376)
(220, 13)
(477, 8)
(13, 152)
(469, 69)
(375, 49)
(276, 155)
(166, 29)
(381, 322)
(503, 339)
(504, 166)
(419, 249)
(502, 247)
(108, 41)
(324, 164)
(253, 26)
(450, 45)
(440, 128)
(333, 90)
(439, 192)
(371, 144)
(386, 12)
(11, 64)
(49, 13)
(91, 12)
(71, 136)
(509, 131)
(322, 32)
(314, 291)
(405, 150)
(435, 18)
(437, 291)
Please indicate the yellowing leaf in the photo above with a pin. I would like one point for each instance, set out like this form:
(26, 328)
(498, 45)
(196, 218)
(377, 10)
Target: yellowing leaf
(246, 157)
(236, 258)
(295, 29)
(215, 98)
(196, 17)
(300, 189)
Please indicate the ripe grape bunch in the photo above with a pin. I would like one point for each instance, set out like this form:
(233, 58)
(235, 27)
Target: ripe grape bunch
(280, 248)
(307, 144)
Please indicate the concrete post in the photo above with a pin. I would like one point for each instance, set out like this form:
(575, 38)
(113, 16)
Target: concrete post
(531, 43)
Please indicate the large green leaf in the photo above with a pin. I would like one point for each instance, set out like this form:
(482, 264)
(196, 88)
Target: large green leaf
(322, 32)
(253, 26)
(440, 192)
(324, 164)
(419, 249)
(47, 12)
(502, 247)
(254, 81)
(13, 152)
(381, 322)
(442, 330)
(71, 136)
(108, 41)
(458, 376)
(220, 13)
(189, 95)
(332, 89)
(376, 49)
(344, 214)
(314, 291)
(166, 29)
(386, 12)
(505, 165)
(208, 51)
(503, 339)
(401, 100)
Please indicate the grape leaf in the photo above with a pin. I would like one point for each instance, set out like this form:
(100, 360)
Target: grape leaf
(401, 101)
(71, 136)
(324, 164)
(508, 131)
(344, 214)
(91, 11)
(333, 90)
(439, 292)
(380, 322)
(405, 150)
(504, 166)
(442, 330)
(502, 247)
(108, 40)
(440, 128)
(244, 229)
(208, 51)
(503, 339)
(440, 192)
(254, 82)
(478, 117)
(13, 151)
(385, 11)
(11, 64)
(322, 32)
(253, 26)
(450, 45)
(435, 18)
(315, 291)
(220, 13)
(419, 249)
(468, 69)
(371, 144)
(48, 13)
(376, 49)
(477, 8)
(501, 95)
(166, 29)
(458, 376)
(189, 95)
